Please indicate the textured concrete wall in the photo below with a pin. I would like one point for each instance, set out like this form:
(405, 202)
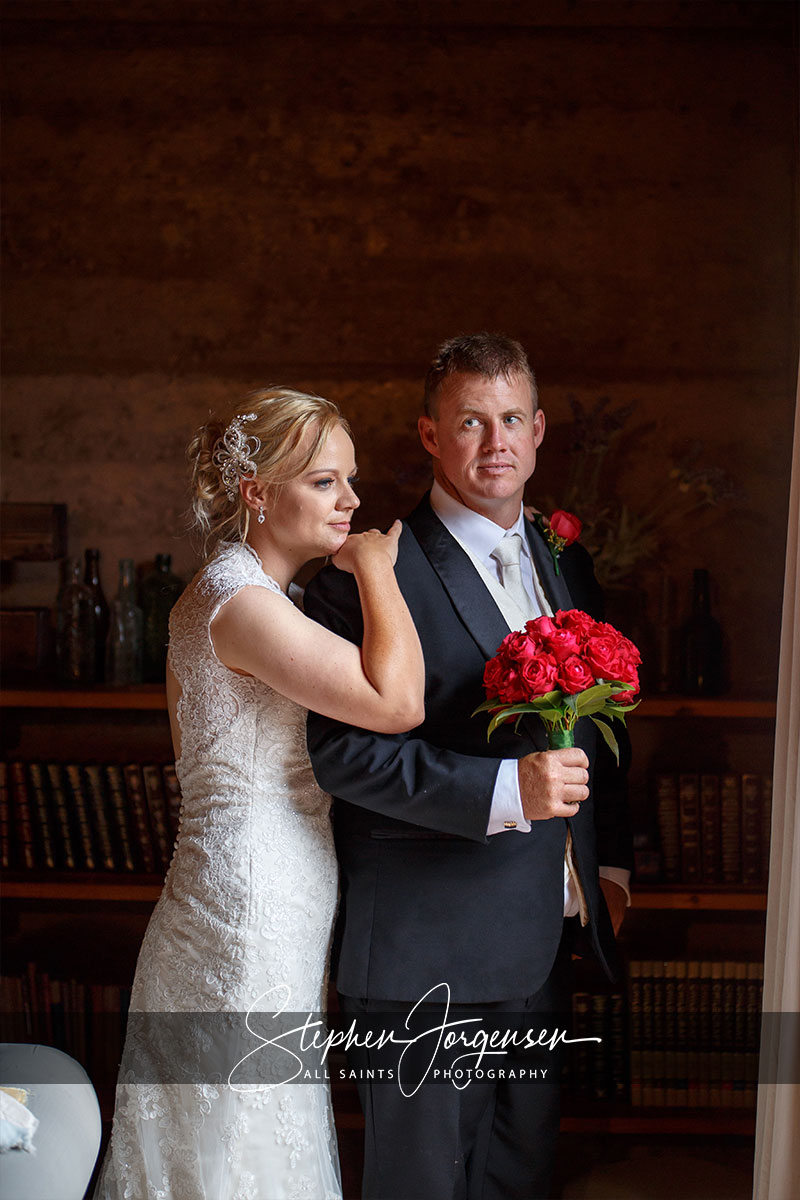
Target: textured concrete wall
(205, 197)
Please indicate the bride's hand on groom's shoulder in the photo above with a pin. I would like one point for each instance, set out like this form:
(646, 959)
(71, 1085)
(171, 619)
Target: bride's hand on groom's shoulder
(365, 547)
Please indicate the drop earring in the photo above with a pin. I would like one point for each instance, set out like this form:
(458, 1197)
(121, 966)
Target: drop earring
(261, 518)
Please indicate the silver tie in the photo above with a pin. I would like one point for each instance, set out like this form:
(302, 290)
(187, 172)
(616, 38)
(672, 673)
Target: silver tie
(506, 554)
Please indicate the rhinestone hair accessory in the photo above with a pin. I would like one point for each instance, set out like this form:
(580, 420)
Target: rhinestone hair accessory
(233, 454)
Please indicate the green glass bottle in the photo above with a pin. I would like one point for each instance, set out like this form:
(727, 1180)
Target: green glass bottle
(157, 593)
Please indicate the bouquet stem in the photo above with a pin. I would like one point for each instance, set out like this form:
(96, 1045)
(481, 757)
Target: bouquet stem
(560, 739)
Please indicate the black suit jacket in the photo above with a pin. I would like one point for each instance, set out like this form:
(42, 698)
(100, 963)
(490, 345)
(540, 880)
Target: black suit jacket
(427, 897)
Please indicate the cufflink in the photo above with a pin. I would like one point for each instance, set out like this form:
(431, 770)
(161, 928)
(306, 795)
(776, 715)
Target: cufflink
(509, 824)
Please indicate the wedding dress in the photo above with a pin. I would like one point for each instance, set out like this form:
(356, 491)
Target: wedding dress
(243, 924)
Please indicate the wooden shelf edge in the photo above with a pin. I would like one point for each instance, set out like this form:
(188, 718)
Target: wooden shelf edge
(712, 899)
(689, 706)
(105, 890)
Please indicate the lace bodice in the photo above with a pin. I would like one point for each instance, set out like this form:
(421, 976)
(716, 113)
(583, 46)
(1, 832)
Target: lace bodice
(225, 718)
(246, 914)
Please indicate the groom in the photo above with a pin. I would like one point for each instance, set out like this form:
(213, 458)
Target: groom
(469, 863)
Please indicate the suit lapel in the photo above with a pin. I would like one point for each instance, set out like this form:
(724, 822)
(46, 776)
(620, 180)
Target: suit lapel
(554, 585)
(471, 600)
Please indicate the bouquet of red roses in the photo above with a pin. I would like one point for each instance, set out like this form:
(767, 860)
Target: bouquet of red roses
(563, 668)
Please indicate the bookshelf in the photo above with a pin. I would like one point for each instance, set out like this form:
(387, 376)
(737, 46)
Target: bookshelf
(124, 724)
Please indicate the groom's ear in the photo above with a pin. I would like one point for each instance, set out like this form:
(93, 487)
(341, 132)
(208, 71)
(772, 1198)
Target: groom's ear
(427, 433)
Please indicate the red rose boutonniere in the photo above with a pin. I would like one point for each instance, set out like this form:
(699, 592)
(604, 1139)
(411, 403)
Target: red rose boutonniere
(560, 531)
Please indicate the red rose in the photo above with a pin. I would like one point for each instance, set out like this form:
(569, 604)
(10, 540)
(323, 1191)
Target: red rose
(542, 627)
(502, 681)
(493, 677)
(580, 623)
(574, 676)
(519, 647)
(539, 675)
(602, 655)
(563, 644)
(565, 526)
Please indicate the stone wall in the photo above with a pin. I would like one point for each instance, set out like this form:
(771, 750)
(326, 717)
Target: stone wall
(204, 197)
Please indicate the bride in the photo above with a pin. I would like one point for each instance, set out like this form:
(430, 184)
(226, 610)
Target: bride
(244, 921)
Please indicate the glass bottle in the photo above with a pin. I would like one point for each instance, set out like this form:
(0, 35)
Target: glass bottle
(91, 577)
(158, 592)
(701, 644)
(75, 650)
(125, 631)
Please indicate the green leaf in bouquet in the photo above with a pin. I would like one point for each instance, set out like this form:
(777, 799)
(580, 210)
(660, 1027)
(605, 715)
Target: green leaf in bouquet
(593, 700)
(608, 737)
(598, 689)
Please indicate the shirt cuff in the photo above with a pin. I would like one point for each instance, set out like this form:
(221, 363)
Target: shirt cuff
(505, 814)
(620, 876)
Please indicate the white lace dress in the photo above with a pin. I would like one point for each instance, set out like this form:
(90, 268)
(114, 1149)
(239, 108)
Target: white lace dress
(243, 925)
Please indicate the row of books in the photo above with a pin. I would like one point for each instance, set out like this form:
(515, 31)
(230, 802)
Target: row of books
(714, 827)
(598, 1070)
(85, 1020)
(686, 1036)
(88, 817)
(694, 1033)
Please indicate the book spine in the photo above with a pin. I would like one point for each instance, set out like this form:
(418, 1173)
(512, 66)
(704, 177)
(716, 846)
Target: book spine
(716, 1099)
(658, 1090)
(751, 828)
(115, 790)
(74, 784)
(671, 1085)
(755, 976)
(648, 1034)
(137, 806)
(740, 1037)
(689, 809)
(581, 1061)
(693, 1034)
(766, 824)
(159, 814)
(730, 803)
(45, 827)
(635, 1027)
(618, 1047)
(23, 818)
(98, 808)
(668, 817)
(70, 857)
(705, 1053)
(728, 1072)
(600, 1050)
(710, 829)
(681, 1052)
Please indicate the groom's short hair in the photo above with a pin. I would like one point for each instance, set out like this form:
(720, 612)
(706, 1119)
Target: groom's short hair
(485, 354)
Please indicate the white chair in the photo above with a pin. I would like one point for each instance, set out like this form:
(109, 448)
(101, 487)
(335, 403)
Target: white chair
(67, 1140)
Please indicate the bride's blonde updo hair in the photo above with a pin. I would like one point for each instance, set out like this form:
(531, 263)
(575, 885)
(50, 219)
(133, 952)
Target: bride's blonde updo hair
(266, 429)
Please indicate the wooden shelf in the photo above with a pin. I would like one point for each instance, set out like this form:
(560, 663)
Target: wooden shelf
(718, 898)
(92, 888)
(145, 696)
(691, 706)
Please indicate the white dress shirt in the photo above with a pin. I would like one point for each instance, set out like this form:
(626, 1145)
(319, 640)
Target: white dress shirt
(478, 537)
